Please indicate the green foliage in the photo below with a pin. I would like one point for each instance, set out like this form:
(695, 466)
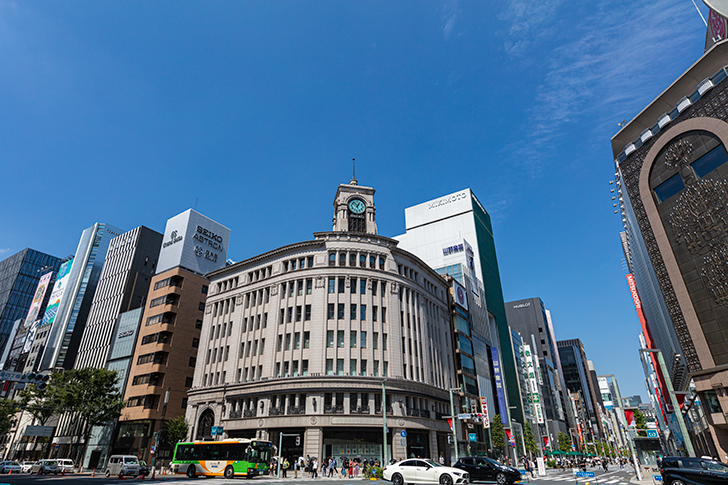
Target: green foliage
(90, 394)
(176, 430)
(529, 439)
(40, 401)
(373, 472)
(7, 415)
(551, 463)
(640, 422)
(497, 433)
(564, 442)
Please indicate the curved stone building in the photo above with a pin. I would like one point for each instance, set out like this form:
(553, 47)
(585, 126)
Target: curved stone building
(302, 339)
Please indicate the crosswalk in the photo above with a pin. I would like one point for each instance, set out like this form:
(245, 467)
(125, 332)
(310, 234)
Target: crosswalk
(610, 478)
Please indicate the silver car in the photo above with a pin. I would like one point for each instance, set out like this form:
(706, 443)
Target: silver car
(9, 467)
(45, 467)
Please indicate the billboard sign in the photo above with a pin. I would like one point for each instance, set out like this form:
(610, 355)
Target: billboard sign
(194, 242)
(531, 371)
(59, 288)
(484, 410)
(30, 336)
(459, 294)
(40, 293)
(499, 386)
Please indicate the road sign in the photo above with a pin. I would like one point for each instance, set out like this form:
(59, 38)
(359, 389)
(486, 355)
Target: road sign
(657, 478)
(472, 436)
(652, 433)
(463, 416)
(403, 433)
(585, 474)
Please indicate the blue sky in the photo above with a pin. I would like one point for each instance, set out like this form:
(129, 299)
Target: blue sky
(127, 112)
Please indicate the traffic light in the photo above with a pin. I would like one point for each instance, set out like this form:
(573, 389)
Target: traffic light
(298, 441)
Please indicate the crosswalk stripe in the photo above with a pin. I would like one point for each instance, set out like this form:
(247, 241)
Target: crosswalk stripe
(612, 481)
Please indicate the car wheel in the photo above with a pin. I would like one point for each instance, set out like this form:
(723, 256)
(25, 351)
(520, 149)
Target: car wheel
(397, 479)
(191, 471)
(501, 479)
(229, 472)
(445, 479)
(677, 482)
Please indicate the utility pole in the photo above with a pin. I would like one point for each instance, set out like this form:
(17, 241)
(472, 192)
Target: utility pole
(673, 400)
(156, 435)
(454, 418)
(384, 425)
(280, 445)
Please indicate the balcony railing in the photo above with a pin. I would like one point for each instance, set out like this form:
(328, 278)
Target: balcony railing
(235, 414)
(378, 410)
(439, 415)
(330, 409)
(276, 411)
(250, 413)
(296, 410)
(359, 410)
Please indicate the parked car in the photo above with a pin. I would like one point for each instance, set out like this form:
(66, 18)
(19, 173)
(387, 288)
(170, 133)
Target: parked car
(144, 469)
(126, 465)
(25, 466)
(681, 470)
(482, 469)
(66, 465)
(9, 466)
(417, 470)
(45, 467)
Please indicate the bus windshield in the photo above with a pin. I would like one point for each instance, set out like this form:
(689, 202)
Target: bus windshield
(258, 454)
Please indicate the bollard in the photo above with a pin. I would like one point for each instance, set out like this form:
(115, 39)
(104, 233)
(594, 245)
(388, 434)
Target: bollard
(93, 472)
(121, 476)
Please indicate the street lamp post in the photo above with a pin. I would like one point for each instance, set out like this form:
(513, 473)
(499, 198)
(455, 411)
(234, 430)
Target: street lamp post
(384, 424)
(156, 435)
(454, 417)
(673, 401)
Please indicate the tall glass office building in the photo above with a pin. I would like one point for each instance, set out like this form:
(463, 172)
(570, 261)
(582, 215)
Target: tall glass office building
(19, 275)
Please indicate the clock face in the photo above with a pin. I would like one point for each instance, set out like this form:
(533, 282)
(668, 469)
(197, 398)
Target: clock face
(356, 206)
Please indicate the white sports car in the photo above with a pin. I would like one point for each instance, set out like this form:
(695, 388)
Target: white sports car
(417, 470)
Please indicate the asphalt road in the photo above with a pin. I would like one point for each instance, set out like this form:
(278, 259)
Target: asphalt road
(614, 477)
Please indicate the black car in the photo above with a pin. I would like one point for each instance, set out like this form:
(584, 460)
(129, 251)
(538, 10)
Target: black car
(144, 469)
(482, 469)
(682, 470)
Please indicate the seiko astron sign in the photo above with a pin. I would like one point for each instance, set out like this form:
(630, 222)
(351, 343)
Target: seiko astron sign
(194, 242)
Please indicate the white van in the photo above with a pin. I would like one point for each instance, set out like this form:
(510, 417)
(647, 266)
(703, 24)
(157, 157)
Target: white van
(125, 465)
(65, 465)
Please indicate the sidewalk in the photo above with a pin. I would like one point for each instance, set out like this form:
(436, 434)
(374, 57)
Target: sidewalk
(647, 473)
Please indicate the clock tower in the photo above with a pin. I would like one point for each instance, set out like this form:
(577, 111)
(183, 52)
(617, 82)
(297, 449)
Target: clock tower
(354, 209)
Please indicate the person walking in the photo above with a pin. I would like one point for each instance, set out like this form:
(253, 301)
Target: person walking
(284, 467)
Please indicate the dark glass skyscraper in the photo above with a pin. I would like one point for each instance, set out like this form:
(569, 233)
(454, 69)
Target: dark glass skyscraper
(19, 275)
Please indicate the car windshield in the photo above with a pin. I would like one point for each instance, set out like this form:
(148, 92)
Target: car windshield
(432, 463)
(492, 461)
(715, 466)
(13, 463)
(49, 462)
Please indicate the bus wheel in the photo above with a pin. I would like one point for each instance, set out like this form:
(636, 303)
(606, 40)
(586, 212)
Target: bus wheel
(229, 472)
(249, 475)
(191, 472)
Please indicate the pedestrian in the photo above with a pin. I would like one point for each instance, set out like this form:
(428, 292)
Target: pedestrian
(441, 460)
(332, 468)
(295, 469)
(315, 467)
(285, 466)
(324, 467)
(356, 468)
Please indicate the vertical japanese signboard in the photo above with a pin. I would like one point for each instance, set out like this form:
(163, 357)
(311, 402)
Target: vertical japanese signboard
(484, 410)
(499, 386)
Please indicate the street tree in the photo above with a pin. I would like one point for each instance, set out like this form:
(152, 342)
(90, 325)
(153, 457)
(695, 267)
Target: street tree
(640, 423)
(8, 408)
(91, 396)
(497, 433)
(176, 430)
(529, 439)
(564, 441)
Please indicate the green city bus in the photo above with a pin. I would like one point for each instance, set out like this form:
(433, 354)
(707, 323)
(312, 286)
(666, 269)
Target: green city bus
(228, 458)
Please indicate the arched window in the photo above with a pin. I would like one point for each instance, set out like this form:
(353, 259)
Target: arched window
(204, 426)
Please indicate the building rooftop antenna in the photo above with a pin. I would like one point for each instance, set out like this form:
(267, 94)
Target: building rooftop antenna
(353, 172)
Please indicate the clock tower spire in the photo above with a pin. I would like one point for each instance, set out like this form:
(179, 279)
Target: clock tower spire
(354, 209)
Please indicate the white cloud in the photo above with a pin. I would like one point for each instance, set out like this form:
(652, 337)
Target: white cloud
(606, 68)
(4, 250)
(450, 13)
